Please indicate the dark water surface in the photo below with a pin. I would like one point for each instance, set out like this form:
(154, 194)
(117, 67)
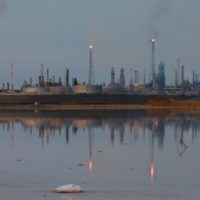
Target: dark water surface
(111, 155)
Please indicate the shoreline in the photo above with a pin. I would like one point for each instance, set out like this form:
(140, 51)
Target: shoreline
(108, 107)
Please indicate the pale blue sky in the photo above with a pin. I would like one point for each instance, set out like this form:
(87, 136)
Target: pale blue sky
(58, 33)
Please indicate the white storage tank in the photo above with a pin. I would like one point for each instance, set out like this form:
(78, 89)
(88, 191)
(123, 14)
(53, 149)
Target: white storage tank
(35, 90)
(87, 89)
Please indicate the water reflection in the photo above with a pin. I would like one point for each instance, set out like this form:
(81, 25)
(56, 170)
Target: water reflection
(48, 125)
(91, 143)
(128, 128)
(111, 155)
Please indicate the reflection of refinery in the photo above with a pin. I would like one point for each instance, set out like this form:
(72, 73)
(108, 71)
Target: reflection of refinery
(152, 170)
(122, 130)
(91, 144)
(138, 126)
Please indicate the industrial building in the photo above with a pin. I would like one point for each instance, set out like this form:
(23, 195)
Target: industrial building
(47, 86)
(116, 86)
(161, 76)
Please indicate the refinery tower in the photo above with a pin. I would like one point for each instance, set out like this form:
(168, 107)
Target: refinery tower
(153, 40)
(89, 88)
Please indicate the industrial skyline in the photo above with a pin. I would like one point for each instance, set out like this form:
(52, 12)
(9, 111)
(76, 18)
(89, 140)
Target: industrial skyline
(157, 82)
(58, 33)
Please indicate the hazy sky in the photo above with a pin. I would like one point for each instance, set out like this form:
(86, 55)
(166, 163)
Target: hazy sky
(58, 33)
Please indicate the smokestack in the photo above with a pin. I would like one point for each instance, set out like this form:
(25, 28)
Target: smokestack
(67, 77)
(112, 77)
(42, 74)
(47, 75)
(12, 76)
(42, 69)
(136, 77)
(182, 74)
(144, 75)
(193, 77)
(60, 81)
(8, 86)
(176, 78)
(122, 77)
(178, 71)
(131, 76)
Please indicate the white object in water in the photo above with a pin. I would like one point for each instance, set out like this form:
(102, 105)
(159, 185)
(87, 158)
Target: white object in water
(69, 188)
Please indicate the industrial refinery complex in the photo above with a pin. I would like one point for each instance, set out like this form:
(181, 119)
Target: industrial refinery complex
(49, 91)
(157, 84)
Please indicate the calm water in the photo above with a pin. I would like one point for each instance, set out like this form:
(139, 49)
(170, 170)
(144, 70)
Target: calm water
(127, 155)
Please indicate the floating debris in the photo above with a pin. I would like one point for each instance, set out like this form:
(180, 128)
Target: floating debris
(69, 188)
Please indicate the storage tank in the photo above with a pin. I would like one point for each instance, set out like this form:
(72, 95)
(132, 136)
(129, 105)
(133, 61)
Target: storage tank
(87, 89)
(35, 90)
(60, 89)
(114, 89)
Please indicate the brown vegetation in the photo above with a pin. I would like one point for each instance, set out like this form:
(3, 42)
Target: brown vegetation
(156, 105)
(174, 103)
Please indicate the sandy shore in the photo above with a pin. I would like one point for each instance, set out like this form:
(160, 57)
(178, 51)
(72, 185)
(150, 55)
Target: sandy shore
(99, 106)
